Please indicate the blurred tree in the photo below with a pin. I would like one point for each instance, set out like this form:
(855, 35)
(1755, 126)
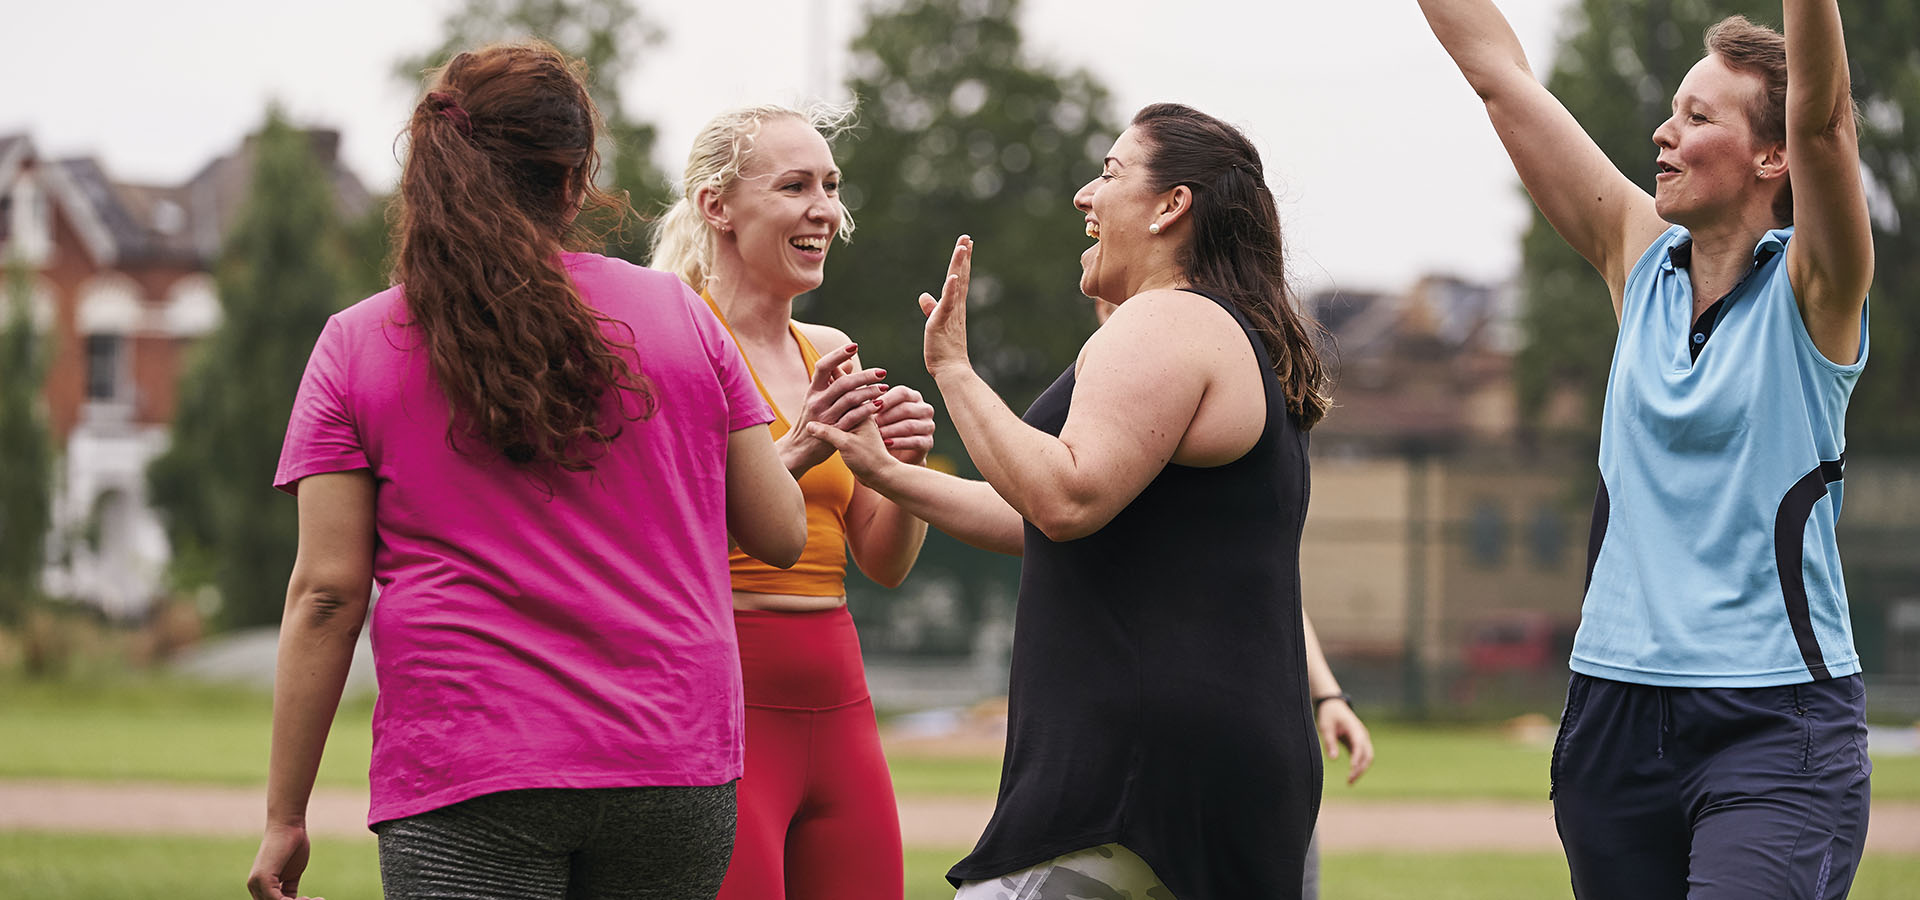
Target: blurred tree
(1617, 70)
(367, 250)
(26, 442)
(609, 35)
(281, 272)
(960, 133)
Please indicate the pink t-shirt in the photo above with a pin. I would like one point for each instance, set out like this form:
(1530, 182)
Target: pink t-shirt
(549, 629)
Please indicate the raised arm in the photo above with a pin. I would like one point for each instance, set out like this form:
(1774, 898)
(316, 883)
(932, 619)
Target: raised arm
(1830, 259)
(1140, 380)
(327, 601)
(1607, 218)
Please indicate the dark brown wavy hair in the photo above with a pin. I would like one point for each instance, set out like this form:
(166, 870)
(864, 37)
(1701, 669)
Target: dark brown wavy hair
(1236, 251)
(500, 159)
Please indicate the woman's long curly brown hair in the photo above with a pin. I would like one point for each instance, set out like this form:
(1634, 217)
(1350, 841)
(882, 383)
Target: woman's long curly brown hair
(500, 159)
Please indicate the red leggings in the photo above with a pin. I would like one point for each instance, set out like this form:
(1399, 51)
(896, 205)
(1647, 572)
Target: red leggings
(817, 814)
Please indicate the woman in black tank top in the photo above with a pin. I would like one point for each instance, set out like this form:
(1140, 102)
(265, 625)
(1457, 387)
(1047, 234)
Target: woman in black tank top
(1156, 492)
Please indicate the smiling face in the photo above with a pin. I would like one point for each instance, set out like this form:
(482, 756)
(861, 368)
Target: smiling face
(1119, 204)
(784, 211)
(1709, 158)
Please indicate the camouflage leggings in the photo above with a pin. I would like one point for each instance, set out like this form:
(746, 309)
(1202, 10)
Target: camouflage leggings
(1106, 872)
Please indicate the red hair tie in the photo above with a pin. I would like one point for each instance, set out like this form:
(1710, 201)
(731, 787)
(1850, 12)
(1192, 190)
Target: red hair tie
(445, 104)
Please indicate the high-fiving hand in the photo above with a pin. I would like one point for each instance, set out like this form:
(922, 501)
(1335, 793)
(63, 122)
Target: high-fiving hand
(946, 335)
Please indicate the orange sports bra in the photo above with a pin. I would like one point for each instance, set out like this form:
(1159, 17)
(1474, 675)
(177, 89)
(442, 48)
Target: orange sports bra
(828, 488)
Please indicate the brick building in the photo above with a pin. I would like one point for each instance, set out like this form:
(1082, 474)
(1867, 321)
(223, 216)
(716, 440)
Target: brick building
(122, 290)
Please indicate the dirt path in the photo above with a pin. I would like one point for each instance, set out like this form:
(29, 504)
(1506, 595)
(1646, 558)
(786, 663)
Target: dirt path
(150, 808)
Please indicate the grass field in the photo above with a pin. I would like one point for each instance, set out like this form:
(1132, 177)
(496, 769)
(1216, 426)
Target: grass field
(160, 731)
(75, 867)
(169, 731)
(174, 732)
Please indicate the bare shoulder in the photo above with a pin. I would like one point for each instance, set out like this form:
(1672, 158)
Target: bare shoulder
(1173, 319)
(1169, 330)
(1184, 311)
(823, 337)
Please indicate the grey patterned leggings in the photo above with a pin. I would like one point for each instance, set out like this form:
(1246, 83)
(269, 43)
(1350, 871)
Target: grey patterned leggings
(1106, 872)
(644, 843)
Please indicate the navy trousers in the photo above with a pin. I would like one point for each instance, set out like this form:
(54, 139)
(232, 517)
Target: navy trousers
(1712, 793)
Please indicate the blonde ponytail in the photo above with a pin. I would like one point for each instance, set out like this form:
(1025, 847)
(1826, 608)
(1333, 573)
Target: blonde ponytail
(683, 244)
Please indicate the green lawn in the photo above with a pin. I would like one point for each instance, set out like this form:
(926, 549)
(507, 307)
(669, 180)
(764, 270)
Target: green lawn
(48, 866)
(172, 731)
(83, 867)
(160, 731)
(962, 776)
(1412, 762)
(1529, 876)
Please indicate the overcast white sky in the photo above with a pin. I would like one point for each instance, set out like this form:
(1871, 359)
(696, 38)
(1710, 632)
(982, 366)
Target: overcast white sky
(1385, 165)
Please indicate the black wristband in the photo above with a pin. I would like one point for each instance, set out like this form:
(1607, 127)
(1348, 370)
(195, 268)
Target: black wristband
(1342, 697)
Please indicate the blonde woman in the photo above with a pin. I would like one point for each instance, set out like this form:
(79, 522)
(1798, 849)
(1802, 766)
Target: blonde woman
(759, 210)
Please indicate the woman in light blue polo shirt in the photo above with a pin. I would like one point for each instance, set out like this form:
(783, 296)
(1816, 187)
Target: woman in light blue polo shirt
(1713, 743)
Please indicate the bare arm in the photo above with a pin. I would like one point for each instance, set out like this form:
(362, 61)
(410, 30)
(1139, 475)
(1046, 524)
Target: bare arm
(884, 537)
(1607, 218)
(1830, 259)
(968, 510)
(1339, 726)
(327, 600)
(1140, 381)
(1137, 390)
(766, 515)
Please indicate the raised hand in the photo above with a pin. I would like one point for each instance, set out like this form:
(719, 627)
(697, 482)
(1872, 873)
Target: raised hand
(906, 424)
(946, 334)
(839, 396)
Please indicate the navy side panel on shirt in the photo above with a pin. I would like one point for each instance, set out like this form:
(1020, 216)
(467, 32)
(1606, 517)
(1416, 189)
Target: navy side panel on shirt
(1713, 561)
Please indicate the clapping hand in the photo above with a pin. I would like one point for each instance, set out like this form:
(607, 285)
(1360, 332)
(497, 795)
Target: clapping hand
(841, 397)
(906, 424)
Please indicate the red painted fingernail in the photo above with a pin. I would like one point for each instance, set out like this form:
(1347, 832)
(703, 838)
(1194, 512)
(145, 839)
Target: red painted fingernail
(878, 403)
(882, 373)
(888, 441)
(851, 347)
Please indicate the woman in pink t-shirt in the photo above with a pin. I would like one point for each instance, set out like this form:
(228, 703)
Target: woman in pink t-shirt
(560, 710)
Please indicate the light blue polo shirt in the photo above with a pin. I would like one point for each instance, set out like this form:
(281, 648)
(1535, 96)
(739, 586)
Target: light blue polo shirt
(1712, 561)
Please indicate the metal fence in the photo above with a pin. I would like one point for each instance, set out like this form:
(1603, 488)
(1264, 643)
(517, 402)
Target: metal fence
(1442, 586)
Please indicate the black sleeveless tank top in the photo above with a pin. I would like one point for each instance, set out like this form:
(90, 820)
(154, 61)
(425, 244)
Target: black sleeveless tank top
(1158, 695)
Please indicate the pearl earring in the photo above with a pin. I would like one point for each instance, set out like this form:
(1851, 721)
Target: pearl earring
(1153, 228)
